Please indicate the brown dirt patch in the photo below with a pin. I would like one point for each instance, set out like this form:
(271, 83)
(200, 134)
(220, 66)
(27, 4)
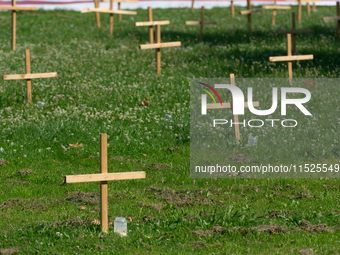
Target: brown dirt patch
(198, 244)
(158, 165)
(3, 162)
(300, 195)
(214, 229)
(273, 228)
(307, 226)
(84, 198)
(240, 158)
(179, 197)
(10, 204)
(306, 252)
(25, 172)
(152, 206)
(9, 251)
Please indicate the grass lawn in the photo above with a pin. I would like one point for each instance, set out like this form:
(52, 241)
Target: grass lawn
(102, 81)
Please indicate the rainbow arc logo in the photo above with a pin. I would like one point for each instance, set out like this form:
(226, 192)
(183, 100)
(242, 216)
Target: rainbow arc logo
(209, 93)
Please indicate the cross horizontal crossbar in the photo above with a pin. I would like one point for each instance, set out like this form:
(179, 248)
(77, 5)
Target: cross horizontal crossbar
(122, 1)
(250, 11)
(228, 105)
(199, 23)
(104, 177)
(107, 10)
(307, 31)
(291, 58)
(276, 7)
(17, 8)
(28, 76)
(159, 45)
(330, 18)
(152, 23)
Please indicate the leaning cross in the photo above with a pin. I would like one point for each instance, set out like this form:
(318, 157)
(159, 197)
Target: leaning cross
(15, 8)
(294, 32)
(201, 23)
(28, 76)
(103, 177)
(290, 58)
(274, 8)
(248, 12)
(158, 45)
(151, 23)
(230, 105)
(335, 18)
(110, 10)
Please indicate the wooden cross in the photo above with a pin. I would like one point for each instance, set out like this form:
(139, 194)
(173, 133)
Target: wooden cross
(248, 12)
(294, 32)
(274, 8)
(110, 10)
(158, 45)
(103, 177)
(15, 8)
(290, 58)
(120, 18)
(150, 24)
(335, 18)
(307, 6)
(201, 23)
(230, 105)
(28, 76)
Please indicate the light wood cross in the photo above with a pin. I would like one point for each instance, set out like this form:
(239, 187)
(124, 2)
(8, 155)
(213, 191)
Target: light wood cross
(290, 58)
(120, 18)
(158, 45)
(201, 23)
(337, 18)
(230, 105)
(307, 6)
(248, 12)
(28, 76)
(293, 31)
(15, 8)
(150, 24)
(274, 8)
(110, 10)
(103, 177)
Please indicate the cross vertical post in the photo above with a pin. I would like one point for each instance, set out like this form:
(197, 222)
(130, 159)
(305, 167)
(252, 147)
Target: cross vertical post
(249, 15)
(308, 9)
(103, 184)
(158, 50)
(274, 15)
(111, 17)
(14, 25)
(28, 81)
(192, 5)
(202, 23)
(299, 10)
(232, 9)
(120, 17)
(150, 27)
(289, 53)
(314, 7)
(235, 117)
(96, 5)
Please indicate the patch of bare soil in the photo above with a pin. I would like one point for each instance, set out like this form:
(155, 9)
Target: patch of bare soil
(9, 251)
(158, 165)
(3, 162)
(74, 222)
(273, 228)
(240, 158)
(214, 229)
(198, 244)
(152, 206)
(25, 172)
(179, 197)
(84, 198)
(307, 226)
(10, 204)
(306, 252)
(299, 195)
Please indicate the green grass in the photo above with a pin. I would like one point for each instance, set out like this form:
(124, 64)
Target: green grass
(101, 83)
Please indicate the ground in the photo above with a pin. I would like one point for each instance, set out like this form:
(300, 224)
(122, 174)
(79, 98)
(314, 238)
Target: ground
(102, 81)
